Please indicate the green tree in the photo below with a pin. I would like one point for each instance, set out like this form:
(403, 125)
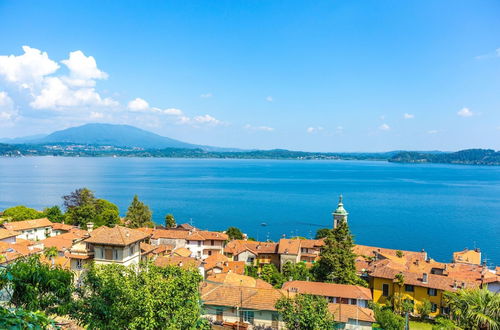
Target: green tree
(234, 233)
(107, 213)
(474, 308)
(442, 323)
(21, 212)
(305, 312)
(424, 309)
(150, 297)
(38, 286)
(252, 271)
(138, 214)
(296, 272)
(337, 262)
(271, 275)
(83, 207)
(323, 233)
(79, 197)
(387, 319)
(170, 221)
(54, 214)
(18, 318)
(50, 253)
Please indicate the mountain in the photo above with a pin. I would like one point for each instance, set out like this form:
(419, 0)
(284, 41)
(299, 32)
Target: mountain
(24, 139)
(114, 135)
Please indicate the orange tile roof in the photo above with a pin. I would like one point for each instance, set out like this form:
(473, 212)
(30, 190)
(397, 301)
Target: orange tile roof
(61, 261)
(118, 235)
(237, 246)
(289, 246)
(215, 259)
(61, 226)
(12, 251)
(146, 248)
(59, 242)
(183, 262)
(182, 252)
(467, 256)
(5, 233)
(163, 248)
(343, 313)
(27, 224)
(329, 289)
(170, 233)
(370, 251)
(238, 280)
(240, 296)
(312, 243)
(212, 235)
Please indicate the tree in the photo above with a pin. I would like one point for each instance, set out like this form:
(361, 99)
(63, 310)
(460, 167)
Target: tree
(21, 212)
(474, 308)
(54, 214)
(322, 233)
(18, 318)
(305, 312)
(38, 286)
(149, 297)
(252, 271)
(139, 214)
(424, 309)
(337, 262)
(170, 221)
(78, 198)
(234, 233)
(442, 323)
(296, 272)
(50, 253)
(271, 275)
(107, 213)
(83, 207)
(387, 319)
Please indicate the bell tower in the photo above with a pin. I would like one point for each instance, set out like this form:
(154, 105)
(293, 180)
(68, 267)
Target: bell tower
(340, 213)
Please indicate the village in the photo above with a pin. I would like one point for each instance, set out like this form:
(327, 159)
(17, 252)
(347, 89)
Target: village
(229, 296)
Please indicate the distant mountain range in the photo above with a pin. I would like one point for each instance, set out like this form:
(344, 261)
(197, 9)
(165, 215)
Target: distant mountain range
(110, 135)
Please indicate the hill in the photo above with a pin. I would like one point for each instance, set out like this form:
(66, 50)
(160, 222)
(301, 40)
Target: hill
(466, 157)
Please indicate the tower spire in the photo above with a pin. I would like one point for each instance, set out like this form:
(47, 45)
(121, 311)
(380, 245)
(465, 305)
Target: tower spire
(340, 213)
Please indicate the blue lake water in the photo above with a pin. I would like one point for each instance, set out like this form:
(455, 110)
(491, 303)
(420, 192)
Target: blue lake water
(441, 208)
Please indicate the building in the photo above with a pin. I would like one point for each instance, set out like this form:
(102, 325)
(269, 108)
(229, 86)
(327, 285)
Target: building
(8, 236)
(340, 214)
(32, 230)
(467, 256)
(253, 253)
(352, 316)
(118, 245)
(334, 293)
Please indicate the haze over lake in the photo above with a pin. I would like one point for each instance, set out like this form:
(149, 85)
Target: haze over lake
(442, 208)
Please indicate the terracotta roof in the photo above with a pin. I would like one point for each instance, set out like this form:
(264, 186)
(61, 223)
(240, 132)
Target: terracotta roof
(61, 226)
(60, 242)
(183, 262)
(147, 230)
(146, 248)
(240, 296)
(238, 280)
(28, 224)
(182, 252)
(289, 246)
(163, 248)
(343, 313)
(312, 243)
(170, 233)
(5, 233)
(61, 261)
(214, 259)
(329, 289)
(12, 251)
(237, 246)
(77, 256)
(467, 256)
(212, 235)
(118, 235)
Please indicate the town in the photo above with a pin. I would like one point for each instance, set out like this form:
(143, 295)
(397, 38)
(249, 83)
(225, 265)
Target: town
(243, 283)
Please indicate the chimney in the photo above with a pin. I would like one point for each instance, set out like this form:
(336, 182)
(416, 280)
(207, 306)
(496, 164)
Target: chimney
(90, 227)
(424, 278)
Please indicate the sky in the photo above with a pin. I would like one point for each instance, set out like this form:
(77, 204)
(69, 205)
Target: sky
(302, 75)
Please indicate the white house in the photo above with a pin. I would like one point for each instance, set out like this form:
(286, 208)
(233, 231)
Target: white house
(8, 236)
(33, 230)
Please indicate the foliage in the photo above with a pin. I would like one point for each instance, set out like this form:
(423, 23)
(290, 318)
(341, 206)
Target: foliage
(399, 279)
(468, 156)
(407, 306)
(387, 319)
(149, 297)
(19, 318)
(50, 253)
(442, 323)
(474, 308)
(54, 214)
(424, 309)
(399, 254)
(139, 214)
(170, 221)
(271, 275)
(337, 263)
(305, 312)
(21, 212)
(296, 272)
(252, 271)
(82, 207)
(234, 233)
(38, 286)
(323, 233)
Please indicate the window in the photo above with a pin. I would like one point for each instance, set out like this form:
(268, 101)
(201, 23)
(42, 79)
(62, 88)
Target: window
(78, 263)
(431, 292)
(385, 290)
(115, 254)
(353, 302)
(250, 260)
(132, 249)
(434, 308)
(219, 314)
(331, 299)
(199, 243)
(209, 253)
(212, 242)
(235, 258)
(409, 288)
(248, 316)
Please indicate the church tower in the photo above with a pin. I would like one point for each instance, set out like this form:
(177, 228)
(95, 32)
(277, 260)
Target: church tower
(340, 213)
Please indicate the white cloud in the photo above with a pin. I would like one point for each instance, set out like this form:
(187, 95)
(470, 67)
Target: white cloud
(433, 131)
(207, 119)
(138, 104)
(8, 112)
(173, 112)
(408, 116)
(83, 69)
(258, 128)
(206, 95)
(465, 112)
(28, 68)
(269, 99)
(314, 129)
(384, 127)
(96, 115)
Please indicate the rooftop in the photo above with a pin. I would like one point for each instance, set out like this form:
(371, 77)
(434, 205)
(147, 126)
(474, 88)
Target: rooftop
(329, 289)
(28, 224)
(118, 235)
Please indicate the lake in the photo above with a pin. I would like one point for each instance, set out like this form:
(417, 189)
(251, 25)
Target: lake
(441, 208)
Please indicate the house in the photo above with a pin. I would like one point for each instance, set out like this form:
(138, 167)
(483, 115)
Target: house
(183, 262)
(234, 305)
(61, 228)
(253, 253)
(32, 230)
(119, 245)
(334, 293)
(467, 256)
(289, 251)
(62, 242)
(12, 251)
(219, 263)
(233, 279)
(8, 236)
(352, 316)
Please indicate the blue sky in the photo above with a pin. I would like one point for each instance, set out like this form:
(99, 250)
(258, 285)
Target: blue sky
(308, 75)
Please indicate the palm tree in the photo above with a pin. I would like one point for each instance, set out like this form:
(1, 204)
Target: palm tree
(51, 253)
(475, 308)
